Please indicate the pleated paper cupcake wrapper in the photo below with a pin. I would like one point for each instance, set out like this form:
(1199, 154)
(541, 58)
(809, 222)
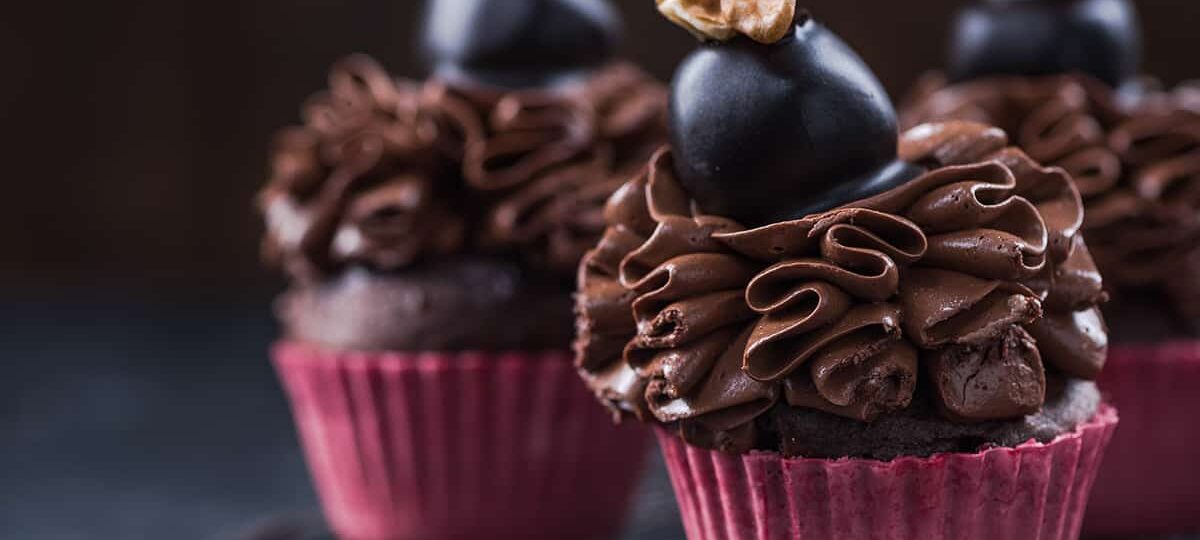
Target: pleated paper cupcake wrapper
(1150, 481)
(1034, 491)
(464, 446)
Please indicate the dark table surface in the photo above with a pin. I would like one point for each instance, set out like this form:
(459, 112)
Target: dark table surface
(135, 421)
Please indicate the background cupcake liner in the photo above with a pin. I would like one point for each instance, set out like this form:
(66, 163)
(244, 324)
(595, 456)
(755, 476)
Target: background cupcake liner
(458, 445)
(1034, 491)
(1150, 480)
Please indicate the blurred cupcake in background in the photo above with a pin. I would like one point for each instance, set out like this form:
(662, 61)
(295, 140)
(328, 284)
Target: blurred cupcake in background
(1061, 77)
(431, 231)
(839, 331)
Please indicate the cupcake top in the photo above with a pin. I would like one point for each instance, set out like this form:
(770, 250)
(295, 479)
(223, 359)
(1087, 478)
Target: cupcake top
(386, 174)
(1133, 149)
(943, 256)
(409, 213)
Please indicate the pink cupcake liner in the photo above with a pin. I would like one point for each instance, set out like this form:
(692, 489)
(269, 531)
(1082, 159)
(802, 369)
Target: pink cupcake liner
(464, 445)
(1150, 481)
(1033, 491)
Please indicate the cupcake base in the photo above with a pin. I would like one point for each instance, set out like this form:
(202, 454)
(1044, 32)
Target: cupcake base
(438, 446)
(1150, 481)
(1032, 491)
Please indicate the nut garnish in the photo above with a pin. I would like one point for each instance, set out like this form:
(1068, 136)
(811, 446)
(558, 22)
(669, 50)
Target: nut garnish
(764, 21)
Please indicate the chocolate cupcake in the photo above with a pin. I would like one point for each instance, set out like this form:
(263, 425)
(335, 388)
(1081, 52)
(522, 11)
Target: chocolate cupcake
(837, 331)
(431, 230)
(1061, 77)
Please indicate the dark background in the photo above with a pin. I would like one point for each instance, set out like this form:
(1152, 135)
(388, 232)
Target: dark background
(136, 400)
(135, 130)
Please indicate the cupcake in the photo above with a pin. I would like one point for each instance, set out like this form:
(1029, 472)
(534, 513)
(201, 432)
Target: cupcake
(1061, 78)
(431, 231)
(835, 330)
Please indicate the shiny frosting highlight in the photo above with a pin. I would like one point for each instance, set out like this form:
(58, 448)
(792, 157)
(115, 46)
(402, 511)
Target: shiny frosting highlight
(385, 173)
(970, 276)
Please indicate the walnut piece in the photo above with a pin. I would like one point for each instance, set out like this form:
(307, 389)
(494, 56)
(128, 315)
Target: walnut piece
(764, 21)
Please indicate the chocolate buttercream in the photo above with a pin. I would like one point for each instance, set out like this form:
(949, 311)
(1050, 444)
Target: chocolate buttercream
(387, 173)
(1135, 155)
(545, 160)
(409, 214)
(696, 321)
(360, 183)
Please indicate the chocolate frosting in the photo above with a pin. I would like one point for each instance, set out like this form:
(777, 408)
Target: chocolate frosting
(360, 183)
(968, 277)
(386, 174)
(544, 161)
(1135, 155)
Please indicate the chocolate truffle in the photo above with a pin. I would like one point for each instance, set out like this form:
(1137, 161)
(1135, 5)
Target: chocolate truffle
(801, 119)
(1099, 38)
(519, 43)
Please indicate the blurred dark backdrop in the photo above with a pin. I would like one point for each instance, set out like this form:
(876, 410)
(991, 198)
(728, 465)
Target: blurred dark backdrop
(135, 129)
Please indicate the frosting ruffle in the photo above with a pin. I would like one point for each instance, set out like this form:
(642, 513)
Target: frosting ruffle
(1135, 157)
(545, 161)
(386, 172)
(359, 182)
(662, 303)
(694, 320)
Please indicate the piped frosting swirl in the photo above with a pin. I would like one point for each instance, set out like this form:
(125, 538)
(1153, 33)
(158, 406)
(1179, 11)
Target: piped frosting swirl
(696, 321)
(545, 162)
(1135, 156)
(360, 182)
(386, 173)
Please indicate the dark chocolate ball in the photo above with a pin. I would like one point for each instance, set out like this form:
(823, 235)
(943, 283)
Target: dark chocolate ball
(1101, 38)
(519, 43)
(767, 132)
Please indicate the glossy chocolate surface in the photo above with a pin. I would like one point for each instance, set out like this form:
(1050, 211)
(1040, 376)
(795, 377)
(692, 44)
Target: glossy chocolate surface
(1100, 38)
(762, 132)
(519, 43)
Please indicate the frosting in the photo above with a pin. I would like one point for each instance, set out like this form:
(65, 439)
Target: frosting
(358, 183)
(696, 321)
(385, 173)
(545, 161)
(1135, 157)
